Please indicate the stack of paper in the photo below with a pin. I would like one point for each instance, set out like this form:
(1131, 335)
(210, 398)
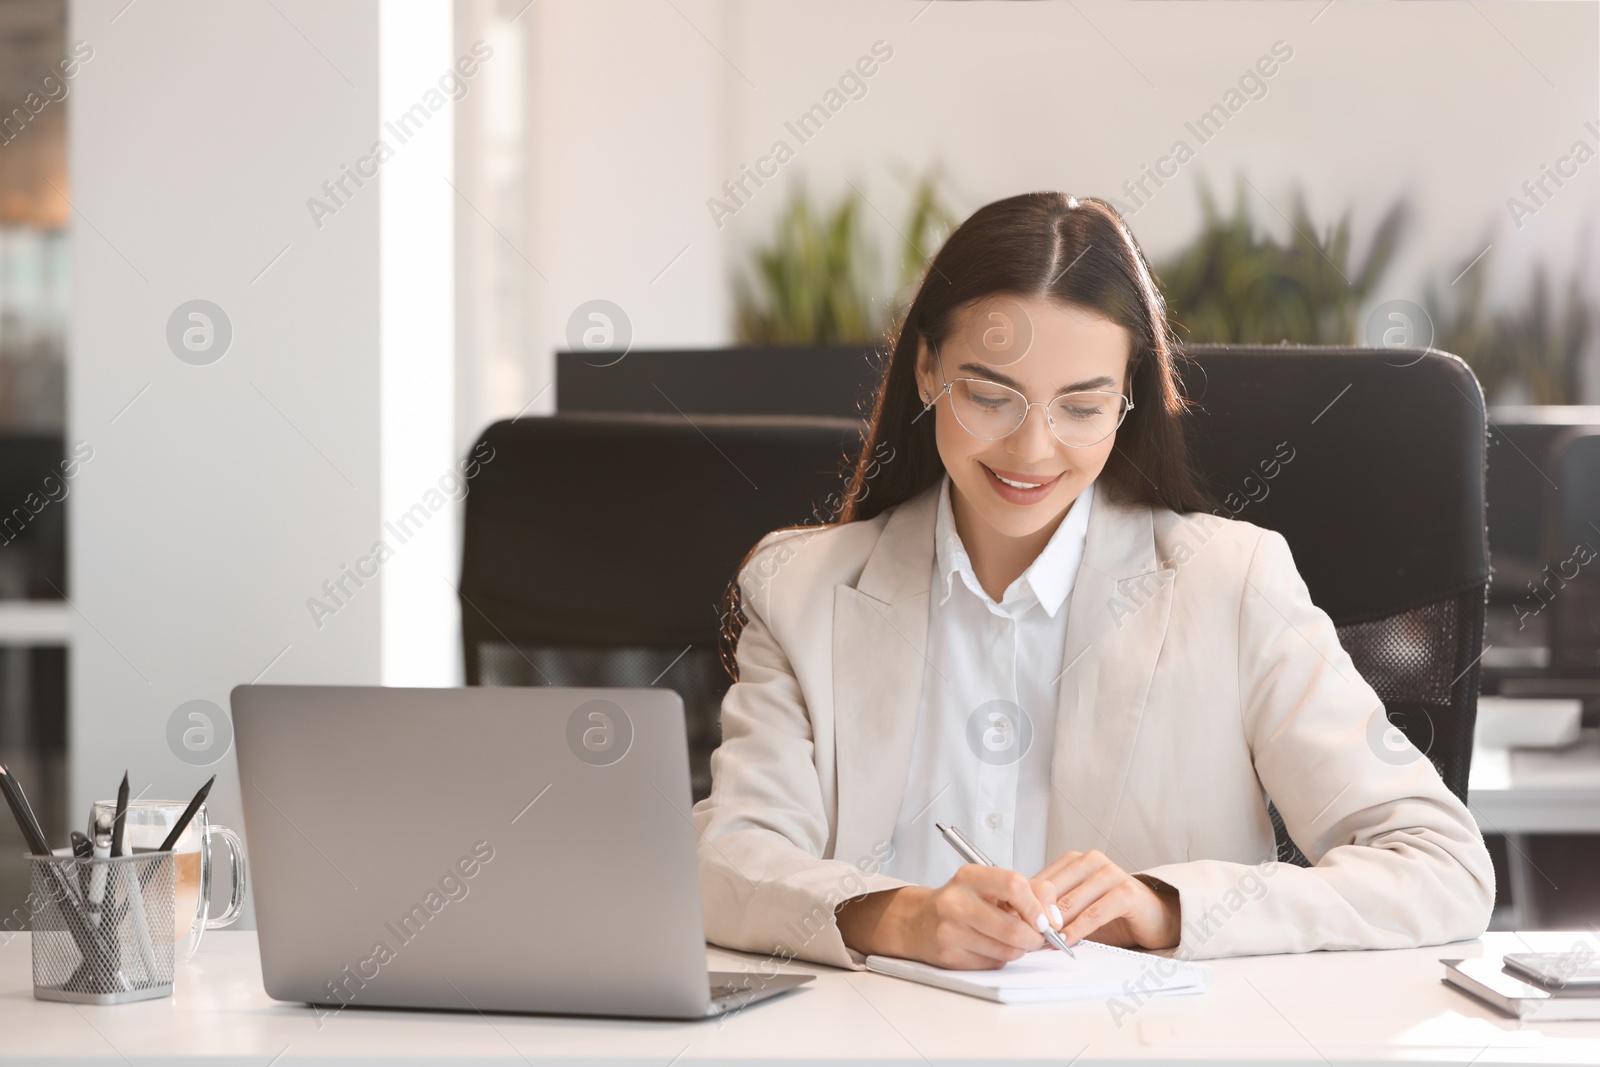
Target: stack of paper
(1099, 971)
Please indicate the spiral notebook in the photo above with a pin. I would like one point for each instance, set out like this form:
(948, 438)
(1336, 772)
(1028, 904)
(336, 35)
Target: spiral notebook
(1049, 974)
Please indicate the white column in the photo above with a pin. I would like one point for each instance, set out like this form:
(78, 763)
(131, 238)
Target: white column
(244, 456)
(421, 481)
(588, 150)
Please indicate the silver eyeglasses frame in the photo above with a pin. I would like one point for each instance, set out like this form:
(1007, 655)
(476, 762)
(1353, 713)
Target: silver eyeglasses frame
(949, 384)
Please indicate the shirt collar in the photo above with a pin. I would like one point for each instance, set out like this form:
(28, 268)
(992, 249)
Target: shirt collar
(1049, 578)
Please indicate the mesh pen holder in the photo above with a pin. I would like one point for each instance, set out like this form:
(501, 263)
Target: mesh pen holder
(103, 931)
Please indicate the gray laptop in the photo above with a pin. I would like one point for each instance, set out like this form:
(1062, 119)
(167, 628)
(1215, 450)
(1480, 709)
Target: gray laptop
(479, 849)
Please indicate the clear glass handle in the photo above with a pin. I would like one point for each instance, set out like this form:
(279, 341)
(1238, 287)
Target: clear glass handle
(236, 864)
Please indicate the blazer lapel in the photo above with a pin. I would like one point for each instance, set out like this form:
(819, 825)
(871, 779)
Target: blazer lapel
(1116, 624)
(880, 635)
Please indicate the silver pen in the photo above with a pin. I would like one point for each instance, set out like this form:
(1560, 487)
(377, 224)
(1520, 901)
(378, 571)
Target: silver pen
(969, 852)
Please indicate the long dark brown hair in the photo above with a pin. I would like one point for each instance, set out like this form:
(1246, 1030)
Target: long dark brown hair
(1071, 250)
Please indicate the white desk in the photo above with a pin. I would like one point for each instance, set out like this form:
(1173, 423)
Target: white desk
(1537, 790)
(1322, 1009)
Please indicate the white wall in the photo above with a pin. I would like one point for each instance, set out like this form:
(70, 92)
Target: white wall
(641, 117)
(592, 154)
(221, 497)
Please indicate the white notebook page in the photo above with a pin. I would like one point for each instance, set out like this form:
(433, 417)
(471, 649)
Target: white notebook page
(1050, 974)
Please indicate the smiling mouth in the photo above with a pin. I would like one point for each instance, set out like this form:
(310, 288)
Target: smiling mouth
(1028, 486)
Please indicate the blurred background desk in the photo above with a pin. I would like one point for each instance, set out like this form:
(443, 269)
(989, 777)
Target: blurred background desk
(1539, 808)
(1519, 792)
(1317, 1008)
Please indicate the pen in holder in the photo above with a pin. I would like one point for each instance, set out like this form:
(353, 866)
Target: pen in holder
(104, 933)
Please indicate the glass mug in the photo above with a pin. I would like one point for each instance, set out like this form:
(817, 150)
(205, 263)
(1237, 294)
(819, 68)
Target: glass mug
(147, 824)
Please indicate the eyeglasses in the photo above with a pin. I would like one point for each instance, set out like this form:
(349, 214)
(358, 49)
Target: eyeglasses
(989, 411)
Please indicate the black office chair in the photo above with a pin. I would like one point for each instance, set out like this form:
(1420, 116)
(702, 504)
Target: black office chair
(597, 548)
(1382, 504)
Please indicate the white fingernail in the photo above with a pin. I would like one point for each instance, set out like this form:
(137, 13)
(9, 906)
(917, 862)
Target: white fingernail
(1043, 922)
(1055, 915)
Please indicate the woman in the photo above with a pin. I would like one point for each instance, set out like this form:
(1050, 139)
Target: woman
(1027, 624)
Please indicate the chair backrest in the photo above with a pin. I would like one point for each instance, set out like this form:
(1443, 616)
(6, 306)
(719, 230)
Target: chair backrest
(597, 548)
(1370, 462)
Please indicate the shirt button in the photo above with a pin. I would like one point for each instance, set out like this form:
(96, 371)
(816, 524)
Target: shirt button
(993, 820)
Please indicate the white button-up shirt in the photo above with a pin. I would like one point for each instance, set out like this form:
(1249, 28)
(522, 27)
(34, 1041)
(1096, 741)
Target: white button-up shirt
(986, 722)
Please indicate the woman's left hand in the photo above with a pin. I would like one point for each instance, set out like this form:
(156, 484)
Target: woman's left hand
(1098, 897)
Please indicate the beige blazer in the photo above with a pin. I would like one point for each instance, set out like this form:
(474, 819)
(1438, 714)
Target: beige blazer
(1200, 679)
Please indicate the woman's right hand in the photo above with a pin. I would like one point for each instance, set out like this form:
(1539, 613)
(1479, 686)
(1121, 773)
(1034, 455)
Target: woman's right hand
(969, 923)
